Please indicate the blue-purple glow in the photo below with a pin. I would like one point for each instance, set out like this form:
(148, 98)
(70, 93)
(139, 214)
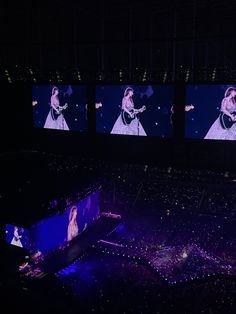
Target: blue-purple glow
(52, 232)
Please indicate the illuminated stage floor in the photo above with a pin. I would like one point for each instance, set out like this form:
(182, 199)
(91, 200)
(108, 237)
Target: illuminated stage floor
(114, 284)
(174, 264)
(161, 263)
(179, 264)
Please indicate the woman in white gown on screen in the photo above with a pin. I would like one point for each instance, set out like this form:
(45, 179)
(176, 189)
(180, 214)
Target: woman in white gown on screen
(72, 230)
(55, 118)
(133, 127)
(228, 107)
(16, 238)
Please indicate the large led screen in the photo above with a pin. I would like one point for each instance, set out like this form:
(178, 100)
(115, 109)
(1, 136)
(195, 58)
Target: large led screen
(56, 230)
(60, 107)
(18, 236)
(213, 112)
(139, 110)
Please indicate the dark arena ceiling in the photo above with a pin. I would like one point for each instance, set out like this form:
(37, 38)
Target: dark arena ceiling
(104, 36)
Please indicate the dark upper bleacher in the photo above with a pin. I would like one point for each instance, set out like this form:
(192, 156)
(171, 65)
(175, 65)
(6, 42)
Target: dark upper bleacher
(37, 184)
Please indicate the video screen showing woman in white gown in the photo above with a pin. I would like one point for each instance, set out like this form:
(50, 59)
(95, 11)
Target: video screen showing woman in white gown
(60, 107)
(56, 230)
(214, 114)
(17, 236)
(138, 110)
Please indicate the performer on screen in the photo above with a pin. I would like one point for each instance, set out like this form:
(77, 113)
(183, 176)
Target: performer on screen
(224, 127)
(55, 118)
(128, 121)
(16, 240)
(72, 230)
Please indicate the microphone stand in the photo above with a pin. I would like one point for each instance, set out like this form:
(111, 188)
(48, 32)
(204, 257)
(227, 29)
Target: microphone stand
(63, 121)
(138, 124)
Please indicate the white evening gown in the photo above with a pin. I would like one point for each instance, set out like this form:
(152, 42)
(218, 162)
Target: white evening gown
(134, 128)
(58, 124)
(216, 132)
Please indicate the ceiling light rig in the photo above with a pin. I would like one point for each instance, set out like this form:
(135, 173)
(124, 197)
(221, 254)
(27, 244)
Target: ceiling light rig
(122, 74)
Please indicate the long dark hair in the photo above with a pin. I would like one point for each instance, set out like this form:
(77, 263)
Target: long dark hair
(72, 210)
(229, 90)
(54, 89)
(126, 92)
